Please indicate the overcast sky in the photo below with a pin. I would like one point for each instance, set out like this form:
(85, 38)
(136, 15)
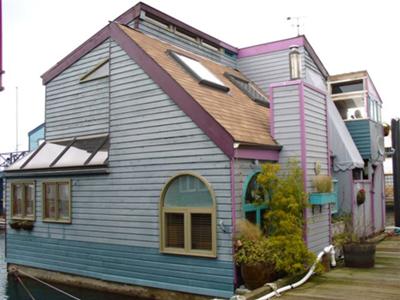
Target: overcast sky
(347, 35)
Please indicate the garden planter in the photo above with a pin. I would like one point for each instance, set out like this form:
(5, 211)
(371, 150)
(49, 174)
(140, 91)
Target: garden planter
(359, 255)
(27, 225)
(15, 225)
(256, 275)
(322, 198)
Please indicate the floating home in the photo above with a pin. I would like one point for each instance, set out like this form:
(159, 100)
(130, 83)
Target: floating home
(154, 135)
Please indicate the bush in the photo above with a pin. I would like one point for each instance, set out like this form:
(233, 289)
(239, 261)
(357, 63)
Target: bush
(284, 218)
(323, 183)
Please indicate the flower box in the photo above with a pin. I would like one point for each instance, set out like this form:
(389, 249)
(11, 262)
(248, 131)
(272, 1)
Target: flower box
(322, 198)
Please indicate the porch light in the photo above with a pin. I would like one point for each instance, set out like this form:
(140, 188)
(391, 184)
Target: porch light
(294, 62)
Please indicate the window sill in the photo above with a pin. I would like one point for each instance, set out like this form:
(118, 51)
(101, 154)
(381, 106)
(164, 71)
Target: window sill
(208, 254)
(57, 221)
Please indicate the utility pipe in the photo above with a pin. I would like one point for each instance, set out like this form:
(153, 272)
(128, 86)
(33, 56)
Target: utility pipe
(327, 250)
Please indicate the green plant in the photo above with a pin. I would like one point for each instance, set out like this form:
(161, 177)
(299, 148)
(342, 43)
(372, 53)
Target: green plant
(251, 244)
(284, 218)
(323, 183)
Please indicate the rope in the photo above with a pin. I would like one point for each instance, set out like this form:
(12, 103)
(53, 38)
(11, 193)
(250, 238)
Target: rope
(48, 285)
(25, 288)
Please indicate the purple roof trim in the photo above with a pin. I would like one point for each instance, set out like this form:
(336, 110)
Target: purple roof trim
(90, 44)
(282, 45)
(262, 154)
(128, 16)
(185, 26)
(75, 55)
(270, 47)
(192, 108)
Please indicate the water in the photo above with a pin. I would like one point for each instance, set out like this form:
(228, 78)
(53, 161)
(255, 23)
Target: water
(11, 289)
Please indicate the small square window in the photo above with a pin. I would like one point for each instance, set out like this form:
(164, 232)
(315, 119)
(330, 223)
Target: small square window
(57, 201)
(23, 201)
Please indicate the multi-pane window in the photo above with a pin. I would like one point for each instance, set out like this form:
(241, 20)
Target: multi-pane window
(253, 201)
(23, 201)
(57, 201)
(188, 217)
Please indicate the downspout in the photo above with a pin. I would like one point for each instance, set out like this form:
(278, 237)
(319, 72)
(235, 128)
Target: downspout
(1, 46)
(372, 195)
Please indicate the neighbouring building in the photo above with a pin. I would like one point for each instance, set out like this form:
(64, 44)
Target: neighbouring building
(154, 134)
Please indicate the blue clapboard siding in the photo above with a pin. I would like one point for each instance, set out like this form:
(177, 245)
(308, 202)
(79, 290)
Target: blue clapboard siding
(360, 132)
(151, 140)
(74, 108)
(185, 43)
(124, 264)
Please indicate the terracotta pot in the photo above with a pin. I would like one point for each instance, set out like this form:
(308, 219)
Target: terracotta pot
(359, 255)
(256, 275)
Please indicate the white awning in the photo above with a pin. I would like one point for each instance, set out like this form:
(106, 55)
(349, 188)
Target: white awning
(346, 154)
(77, 152)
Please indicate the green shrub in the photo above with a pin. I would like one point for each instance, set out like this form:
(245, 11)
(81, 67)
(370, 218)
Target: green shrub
(284, 218)
(323, 183)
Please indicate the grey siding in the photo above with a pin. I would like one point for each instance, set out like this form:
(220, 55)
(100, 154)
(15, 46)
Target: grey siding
(316, 132)
(287, 125)
(345, 183)
(74, 108)
(151, 140)
(185, 43)
(288, 132)
(265, 69)
(312, 74)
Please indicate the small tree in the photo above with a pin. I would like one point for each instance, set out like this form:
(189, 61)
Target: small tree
(284, 222)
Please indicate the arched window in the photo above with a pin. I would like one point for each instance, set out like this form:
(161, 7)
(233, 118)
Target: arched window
(187, 216)
(253, 197)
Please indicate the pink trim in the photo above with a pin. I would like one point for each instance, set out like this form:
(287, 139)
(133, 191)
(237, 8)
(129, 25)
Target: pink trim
(271, 111)
(233, 194)
(286, 83)
(191, 107)
(303, 135)
(303, 151)
(270, 47)
(372, 204)
(272, 155)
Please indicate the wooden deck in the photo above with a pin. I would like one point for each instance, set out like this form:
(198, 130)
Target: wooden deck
(380, 282)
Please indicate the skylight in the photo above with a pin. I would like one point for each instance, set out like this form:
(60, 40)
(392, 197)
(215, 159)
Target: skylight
(200, 72)
(77, 152)
(249, 89)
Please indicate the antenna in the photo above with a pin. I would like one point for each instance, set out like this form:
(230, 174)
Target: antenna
(16, 119)
(296, 22)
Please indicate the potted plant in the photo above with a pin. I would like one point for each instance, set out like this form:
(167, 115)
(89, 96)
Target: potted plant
(15, 224)
(252, 255)
(323, 186)
(361, 196)
(357, 250)
(27, 225)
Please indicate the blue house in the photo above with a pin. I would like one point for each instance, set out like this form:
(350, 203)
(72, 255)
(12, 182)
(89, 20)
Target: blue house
(154, 132)
(36, 137)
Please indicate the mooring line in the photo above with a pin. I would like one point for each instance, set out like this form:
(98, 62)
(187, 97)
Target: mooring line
(25, 288)
(47, 284)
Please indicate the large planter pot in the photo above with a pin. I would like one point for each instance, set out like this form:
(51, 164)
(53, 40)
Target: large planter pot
(359, 255)
(256, 275)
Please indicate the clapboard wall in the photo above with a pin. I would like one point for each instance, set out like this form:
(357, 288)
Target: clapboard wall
(114, 233)
(74, 108)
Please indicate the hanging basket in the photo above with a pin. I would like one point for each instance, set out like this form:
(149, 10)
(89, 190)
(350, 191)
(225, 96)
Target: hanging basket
(361, 197)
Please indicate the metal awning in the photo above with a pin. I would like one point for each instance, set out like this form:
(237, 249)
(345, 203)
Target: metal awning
(345, 152)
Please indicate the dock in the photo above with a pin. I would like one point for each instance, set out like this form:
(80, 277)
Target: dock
(380, 282)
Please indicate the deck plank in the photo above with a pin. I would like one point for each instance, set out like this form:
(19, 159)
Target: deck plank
(380, 282)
